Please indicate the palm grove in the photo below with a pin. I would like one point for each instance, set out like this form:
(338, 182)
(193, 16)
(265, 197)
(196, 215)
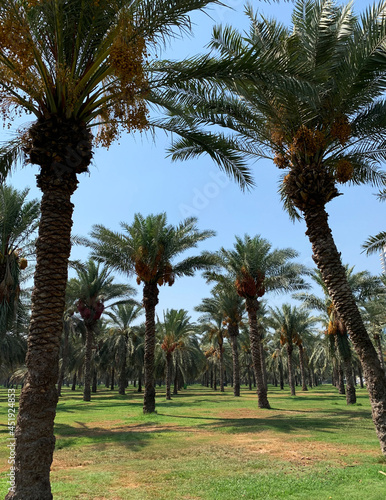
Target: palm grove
(310, 98)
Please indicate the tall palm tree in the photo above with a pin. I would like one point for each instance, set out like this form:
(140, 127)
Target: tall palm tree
(72, 64)
(147, 249)
(293, 325)
(92, 288)
(311, 98)
(257, 269)
(121, 318)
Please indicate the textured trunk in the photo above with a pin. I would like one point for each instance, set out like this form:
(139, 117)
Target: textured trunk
(351, 397)
(94, 381)
(360, 376)
(175, 383)
(249, 379)
(122, 375)
(221, 368)
(64, 359)
(263, 364)
(73, 388)
(139, 382)
(281, 374)
(215, 378)
(255, 339)
(112, 379)
(168, 374)
(150, 300)
(291, 381)
(87, 363)
(233, 333)
(340, 384)
(378, 343)
(328, 261)
(35, 440)
(302, 369)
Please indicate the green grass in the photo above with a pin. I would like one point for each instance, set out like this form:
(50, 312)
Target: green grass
(211, 446)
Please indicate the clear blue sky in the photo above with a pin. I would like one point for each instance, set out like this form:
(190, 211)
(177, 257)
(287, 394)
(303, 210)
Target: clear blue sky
(134, 176)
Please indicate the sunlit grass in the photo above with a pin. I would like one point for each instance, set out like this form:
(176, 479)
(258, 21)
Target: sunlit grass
(210, 445)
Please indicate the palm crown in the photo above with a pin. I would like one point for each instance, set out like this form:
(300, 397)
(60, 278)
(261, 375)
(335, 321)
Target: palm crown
(148, 247)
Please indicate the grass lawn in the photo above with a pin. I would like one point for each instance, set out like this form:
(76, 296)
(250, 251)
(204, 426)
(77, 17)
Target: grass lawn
(209, 445)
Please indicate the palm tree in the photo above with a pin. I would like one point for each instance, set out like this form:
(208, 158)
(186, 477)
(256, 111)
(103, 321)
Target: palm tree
(293, 325)
(311, 97)
(211, 325)
(89, 292)
(363, 286)
(121, 318)
(257, 269)
(72, 65)
(174, 333)
(18, 223)
(147, 248)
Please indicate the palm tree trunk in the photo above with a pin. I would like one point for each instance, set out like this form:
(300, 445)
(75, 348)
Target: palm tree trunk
(140, 382)
(233, 333)
(360, 375)
(73, 388)
(302, 370)
(112, 379)
(327, 259)
(122, 375)
(340, 384)
(64, 360)
(35, 440)
(377, 339)
(290, 372)
(263, 364)
(221, 367)
(94, 381)
(255, 338)
(351, 397)
(87, 363)
(168, 375)
(281, 375)
(175, 383)
(150, 300)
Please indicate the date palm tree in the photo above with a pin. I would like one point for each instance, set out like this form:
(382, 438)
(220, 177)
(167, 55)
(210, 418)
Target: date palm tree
(18, 223)
(121, 317)
(311, 97)
(174, 333)
(148, 249)
(71, 64)
(363, 286)
(293, 324)
(91, 293)
(226, 307)
(256, 269)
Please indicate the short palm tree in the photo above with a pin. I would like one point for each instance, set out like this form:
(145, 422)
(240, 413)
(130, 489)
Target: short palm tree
(174, 332)
(121, 318)
(18, 223)
(148, 249)
(293, 324)
(90, 292)
(363, 286)
(312, 98)
(257, 269)
(228, 307)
